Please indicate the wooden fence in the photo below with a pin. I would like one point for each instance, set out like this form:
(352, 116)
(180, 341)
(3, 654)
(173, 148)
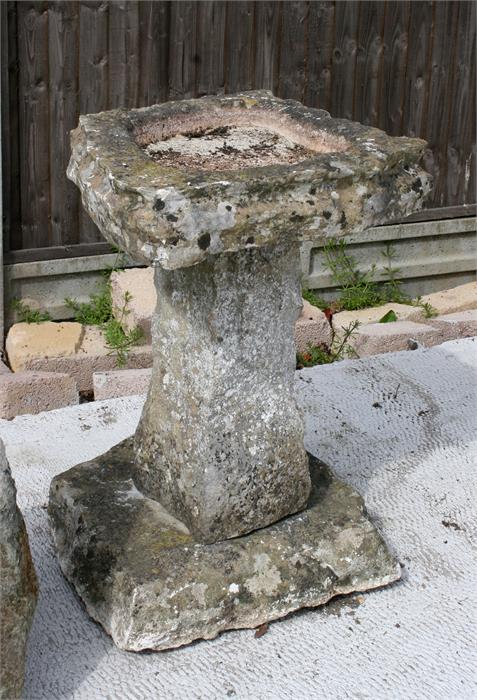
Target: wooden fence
(406, 67)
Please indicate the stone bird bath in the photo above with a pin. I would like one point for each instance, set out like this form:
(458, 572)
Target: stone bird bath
(213, 516)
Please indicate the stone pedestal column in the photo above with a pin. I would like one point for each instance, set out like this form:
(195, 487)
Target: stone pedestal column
(220, 441)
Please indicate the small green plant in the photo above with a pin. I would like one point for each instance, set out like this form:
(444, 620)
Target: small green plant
(339, 349)
(117, 339)
(119, 263)
(358, 290)
(427, 308)
(313, 299)
(392, 288)
(98, 311)
(26, 314)
(120, 341)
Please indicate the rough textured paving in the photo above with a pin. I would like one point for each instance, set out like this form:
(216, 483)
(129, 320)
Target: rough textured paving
(355, 177)
(151, 586)
(413, 458)
(220, 442)
(18, 586)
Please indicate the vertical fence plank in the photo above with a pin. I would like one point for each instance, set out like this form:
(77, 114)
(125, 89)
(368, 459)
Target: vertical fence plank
(93, 80)
(268, 17)
(391, 102)
(153, 79)
(420, 42)
(182, 50)
(470, 183)
(93, 57)
(12, 238)
(239, 46)
(123, 54)
(6, 141)
(344, 58)
(320, 54)
(210, 47)
(369, 62)
(294, 50)
(440, 94)
(34, 124)
(461, 129)
(63, 71)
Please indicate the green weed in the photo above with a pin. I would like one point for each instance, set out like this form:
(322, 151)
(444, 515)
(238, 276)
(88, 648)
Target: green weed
(339, 349)
(427, 308)
(360, 290)
(98, 311)
(313, 299)
(25, 314)
(117, 339)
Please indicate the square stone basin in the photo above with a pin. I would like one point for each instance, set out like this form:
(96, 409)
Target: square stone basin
(175, 182)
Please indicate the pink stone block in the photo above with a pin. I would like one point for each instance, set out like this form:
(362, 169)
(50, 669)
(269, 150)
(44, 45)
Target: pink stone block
(312, 328)
(379, 338)
(34, 392)
(462, 324)
(122, 382)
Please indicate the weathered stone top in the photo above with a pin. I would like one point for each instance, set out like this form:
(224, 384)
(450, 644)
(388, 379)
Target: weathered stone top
(174, 182)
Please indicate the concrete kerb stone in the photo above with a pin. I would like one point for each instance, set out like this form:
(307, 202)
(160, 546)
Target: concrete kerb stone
(461, 298)
(404, 312)
(29, 341)
(462, 324)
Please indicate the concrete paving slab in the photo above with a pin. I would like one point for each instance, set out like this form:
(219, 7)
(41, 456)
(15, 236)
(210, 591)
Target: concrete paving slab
(401, 428)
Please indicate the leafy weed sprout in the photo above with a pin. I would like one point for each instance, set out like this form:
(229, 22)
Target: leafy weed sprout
(340, 348)
(98, 311)
(361, 290)
(25, 314)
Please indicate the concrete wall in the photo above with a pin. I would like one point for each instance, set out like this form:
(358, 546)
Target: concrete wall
(431, 256)
(45, 284)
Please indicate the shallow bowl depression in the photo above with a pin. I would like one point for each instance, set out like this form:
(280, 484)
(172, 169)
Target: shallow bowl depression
(232, 141)
(177, 182)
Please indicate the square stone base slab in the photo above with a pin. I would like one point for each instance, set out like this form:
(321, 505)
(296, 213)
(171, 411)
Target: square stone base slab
(151, 586)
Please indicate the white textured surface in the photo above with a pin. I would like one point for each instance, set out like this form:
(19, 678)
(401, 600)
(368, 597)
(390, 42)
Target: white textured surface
(412, 457)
